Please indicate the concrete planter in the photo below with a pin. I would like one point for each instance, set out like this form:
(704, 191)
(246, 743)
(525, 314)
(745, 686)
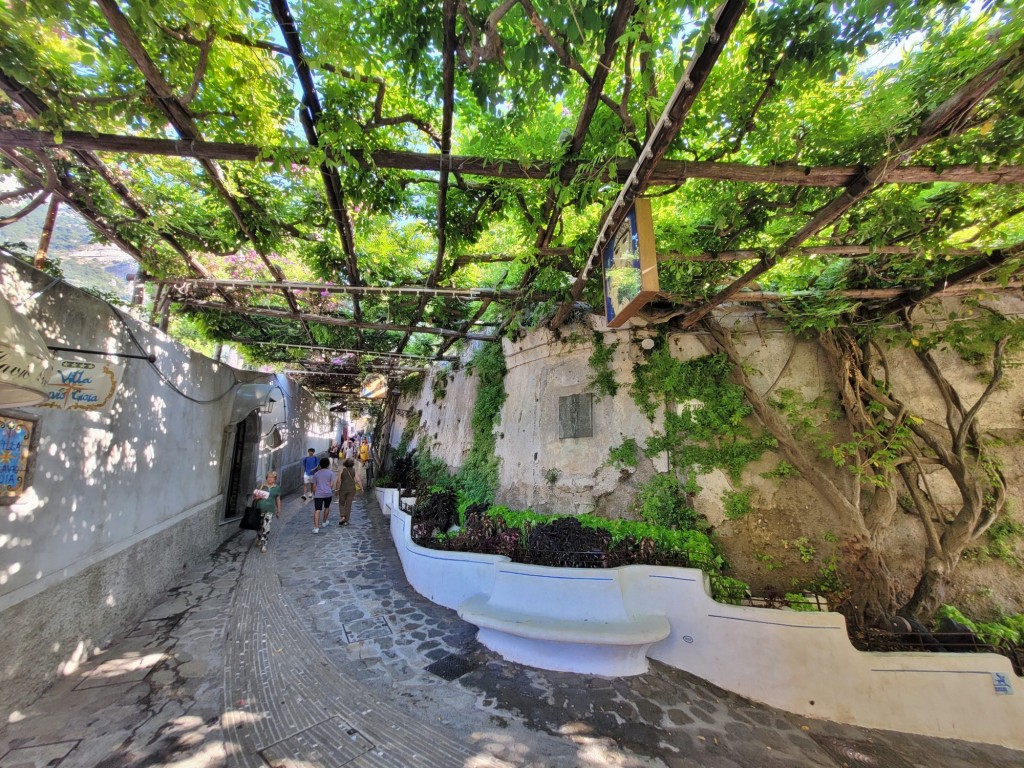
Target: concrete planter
(387, 499)
(799, 662)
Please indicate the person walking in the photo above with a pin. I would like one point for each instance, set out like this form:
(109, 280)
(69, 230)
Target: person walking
(309, 465)
(364, 459)
(323, 492)
(334, 453)
(347, 487)
(268, 501)
(349, 449)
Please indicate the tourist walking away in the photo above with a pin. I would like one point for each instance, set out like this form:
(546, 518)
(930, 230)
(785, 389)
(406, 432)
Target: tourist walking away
(323, 493)
(364, 460)
(309, 465)
(267, 499)
(347, 487)
(334, 453)
(349, 450)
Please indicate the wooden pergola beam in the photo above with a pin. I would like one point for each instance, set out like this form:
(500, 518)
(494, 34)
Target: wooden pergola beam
(184, 123)
(551, 211)
(330, 320)
(356, 290)
(33, 106)
(950, 283)
(341, 351)
(668, 172)
(352, 374)
(447, 110)
(72, 196)
(866, 294)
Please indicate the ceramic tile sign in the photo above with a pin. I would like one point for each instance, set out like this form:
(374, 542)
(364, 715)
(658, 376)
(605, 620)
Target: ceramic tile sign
(630, 266)
(83, 382)
(15, 451)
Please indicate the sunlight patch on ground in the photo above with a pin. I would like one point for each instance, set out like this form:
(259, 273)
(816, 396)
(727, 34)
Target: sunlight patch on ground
(499, 750)
(593, 751)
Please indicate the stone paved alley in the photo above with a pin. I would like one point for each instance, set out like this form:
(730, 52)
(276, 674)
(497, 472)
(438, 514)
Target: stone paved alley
(319, 654)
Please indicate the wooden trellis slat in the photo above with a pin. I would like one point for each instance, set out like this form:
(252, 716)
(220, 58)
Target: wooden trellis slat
(950, 283)
(185, 284)
(947, 287)
(35, 107)
(947, 119)
(667, 128)
(551, 211)
(331, 320)
(845, 251)
(340, 351)
(309, 116)
(447, 109)
(668, 172)
(180, 117)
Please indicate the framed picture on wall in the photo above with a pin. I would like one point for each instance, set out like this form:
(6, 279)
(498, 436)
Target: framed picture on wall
(18, 438)
(630, 266)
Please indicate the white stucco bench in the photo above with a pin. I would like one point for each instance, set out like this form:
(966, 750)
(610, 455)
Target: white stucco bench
(565, 619)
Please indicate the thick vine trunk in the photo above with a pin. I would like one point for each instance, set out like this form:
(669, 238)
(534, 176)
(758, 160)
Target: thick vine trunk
(930, 592)
(872, 597)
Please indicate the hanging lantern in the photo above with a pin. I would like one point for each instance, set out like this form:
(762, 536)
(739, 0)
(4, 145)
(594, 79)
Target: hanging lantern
(25, 362)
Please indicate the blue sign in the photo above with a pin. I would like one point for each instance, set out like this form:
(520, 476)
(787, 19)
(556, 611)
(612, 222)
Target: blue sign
(1001, 682)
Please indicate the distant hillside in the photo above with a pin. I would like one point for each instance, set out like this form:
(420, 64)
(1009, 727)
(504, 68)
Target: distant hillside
(85, 263)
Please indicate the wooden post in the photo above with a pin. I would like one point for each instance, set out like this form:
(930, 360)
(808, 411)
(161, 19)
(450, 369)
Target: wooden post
(139, 287)
(44, 239)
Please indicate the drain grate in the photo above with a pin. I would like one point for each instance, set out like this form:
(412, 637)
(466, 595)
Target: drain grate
(366, 629)
(452, 667)
(858, 753)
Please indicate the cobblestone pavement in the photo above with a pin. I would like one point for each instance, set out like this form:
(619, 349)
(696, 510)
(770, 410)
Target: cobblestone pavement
(319, 654)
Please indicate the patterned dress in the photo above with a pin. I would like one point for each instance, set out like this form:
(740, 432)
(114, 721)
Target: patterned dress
(267, 507)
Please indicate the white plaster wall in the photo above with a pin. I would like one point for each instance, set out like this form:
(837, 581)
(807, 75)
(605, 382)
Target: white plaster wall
(120, 501)
(538, 469)
(445, 424)
(105, 478)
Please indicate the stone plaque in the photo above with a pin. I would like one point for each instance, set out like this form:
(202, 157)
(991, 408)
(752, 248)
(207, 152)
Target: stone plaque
(576, 416)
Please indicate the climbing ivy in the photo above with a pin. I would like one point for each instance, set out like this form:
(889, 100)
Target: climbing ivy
(625, 455)
(704, 413)
(478, 477)
(600, 359)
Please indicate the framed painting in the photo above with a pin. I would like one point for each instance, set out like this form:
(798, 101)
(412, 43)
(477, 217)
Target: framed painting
(630, 266)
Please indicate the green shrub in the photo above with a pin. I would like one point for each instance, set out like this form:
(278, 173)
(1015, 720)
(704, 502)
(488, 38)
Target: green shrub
(799, 602)
(663, 501)
(736, 503)
(650, 543)
(1004, 630)
(625, 455)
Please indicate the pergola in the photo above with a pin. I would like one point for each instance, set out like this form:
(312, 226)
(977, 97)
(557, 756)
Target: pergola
(346, 187)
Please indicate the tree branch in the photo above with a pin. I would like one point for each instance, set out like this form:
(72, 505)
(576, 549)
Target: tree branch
(201, 65)
(997, 375)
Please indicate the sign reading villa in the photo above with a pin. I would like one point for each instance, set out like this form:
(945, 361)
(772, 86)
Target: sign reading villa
(82, 383)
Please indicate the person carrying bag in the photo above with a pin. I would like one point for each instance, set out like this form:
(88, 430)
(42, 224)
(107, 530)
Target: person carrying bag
(266, 503)
(347, 487)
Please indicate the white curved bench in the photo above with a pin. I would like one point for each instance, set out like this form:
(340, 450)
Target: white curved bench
(565, 619)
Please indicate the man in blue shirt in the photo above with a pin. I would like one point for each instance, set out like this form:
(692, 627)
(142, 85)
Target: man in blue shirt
(309, 466)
